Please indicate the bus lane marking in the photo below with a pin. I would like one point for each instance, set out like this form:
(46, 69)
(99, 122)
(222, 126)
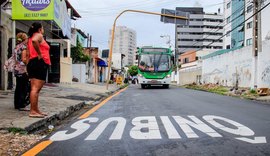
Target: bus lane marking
(80, 127)
(146, 127)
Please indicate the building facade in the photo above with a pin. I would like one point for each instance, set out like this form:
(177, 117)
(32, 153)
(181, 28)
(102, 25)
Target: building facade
(234, 28)
(239, 23)
(125, 42)
(203, 32)
(16, 17)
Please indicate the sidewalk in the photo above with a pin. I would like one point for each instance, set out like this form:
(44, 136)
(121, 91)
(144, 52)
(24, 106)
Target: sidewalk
(57, 100)
(260, 98)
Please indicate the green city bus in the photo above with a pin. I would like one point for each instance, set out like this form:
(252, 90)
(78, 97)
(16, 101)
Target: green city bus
(154, 66)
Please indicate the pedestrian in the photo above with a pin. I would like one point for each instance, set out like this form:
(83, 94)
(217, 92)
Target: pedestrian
(21, 95)
(38, 66)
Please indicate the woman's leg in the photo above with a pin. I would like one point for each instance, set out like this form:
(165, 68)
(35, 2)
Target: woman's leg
(36, 86)
(17, 93)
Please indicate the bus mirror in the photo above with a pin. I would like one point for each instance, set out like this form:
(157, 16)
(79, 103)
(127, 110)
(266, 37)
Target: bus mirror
(172, 59)
(137, 57)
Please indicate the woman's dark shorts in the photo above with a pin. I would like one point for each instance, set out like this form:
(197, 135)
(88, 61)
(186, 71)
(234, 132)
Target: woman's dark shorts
(37, 69)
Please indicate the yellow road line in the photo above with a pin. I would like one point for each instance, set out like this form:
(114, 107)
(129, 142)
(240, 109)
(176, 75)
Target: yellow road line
(42, 145)
(38, 148)
(91, 111)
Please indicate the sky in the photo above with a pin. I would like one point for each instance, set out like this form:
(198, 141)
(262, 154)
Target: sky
(98, 17)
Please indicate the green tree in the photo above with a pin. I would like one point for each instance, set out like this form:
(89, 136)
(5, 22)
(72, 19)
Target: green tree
(77, 54)
(133, 70)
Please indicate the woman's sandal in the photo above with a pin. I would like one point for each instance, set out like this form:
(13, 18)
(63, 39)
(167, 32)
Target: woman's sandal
(36, 116)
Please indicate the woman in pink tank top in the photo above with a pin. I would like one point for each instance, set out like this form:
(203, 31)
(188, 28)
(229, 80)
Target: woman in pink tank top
(38, 65)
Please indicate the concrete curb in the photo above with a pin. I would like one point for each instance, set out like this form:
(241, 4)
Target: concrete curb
(267, 101)
(56, 118)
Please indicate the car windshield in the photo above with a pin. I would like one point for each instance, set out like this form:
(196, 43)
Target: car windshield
(154, 62)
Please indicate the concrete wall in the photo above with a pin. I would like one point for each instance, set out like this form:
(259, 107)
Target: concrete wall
(189, 75)
(6, 33)
(116, 60)
(225, 69)
(79, 71)
(66, 70)
(264, 65)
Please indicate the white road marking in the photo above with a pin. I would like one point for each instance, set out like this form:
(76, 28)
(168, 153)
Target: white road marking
(256, 140)
(170, 129)
(146, 127)
(196, 123)
(117, 133)
(151, 126)
(80, 127)
(240, 130)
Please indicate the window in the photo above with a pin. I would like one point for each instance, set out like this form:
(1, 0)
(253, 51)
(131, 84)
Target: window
(228, 5)
(228, 46)
(249, 8)
(186, 60)
(249, 41)
(249, 25)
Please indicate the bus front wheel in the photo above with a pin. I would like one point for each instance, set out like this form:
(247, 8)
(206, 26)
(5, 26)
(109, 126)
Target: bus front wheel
(143, 86)
(166, 86)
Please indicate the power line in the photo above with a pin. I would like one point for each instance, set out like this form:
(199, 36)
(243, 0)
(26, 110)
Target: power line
(110, 13)
(239, 24)
(236, 11)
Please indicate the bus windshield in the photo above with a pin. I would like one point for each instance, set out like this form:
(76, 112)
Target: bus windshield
(154, 62)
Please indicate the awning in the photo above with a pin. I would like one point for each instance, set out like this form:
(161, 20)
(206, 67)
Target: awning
(102, 63)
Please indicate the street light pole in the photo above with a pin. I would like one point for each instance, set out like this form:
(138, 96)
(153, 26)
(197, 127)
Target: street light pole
(113, 30)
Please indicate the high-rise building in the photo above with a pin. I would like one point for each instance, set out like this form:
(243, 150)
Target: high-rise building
(234, 28)
(203, 32)
(125, 42)
(239, 22)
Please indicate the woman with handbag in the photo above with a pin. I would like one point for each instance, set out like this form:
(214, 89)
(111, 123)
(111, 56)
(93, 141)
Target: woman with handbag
(22, 89)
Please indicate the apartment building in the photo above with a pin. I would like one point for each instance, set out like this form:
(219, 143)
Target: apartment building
(125, 42)
(239, 22)
(203, 32)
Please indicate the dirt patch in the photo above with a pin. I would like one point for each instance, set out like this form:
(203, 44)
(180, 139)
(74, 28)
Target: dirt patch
(12, 144)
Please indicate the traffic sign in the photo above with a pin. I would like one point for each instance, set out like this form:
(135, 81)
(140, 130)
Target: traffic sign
(174, 20)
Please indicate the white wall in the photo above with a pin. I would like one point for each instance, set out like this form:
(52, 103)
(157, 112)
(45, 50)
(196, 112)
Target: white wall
(116, 60)
(223, 69)
(265, 21)
(79, 71)
(264, 65)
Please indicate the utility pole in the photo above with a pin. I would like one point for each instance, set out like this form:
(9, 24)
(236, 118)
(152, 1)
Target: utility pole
(255, 40)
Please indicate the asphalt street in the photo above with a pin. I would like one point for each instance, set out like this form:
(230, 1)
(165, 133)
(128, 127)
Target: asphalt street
(173, 121)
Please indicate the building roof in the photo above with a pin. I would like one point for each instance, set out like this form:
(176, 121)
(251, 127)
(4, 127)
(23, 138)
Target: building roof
(219, 52)
(73, 11)
(82, 33)
(188, 52)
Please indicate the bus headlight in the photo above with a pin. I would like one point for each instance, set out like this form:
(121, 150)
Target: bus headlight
(140, 75)
(168, 76)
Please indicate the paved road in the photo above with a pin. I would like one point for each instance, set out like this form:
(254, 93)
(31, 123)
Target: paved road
(171, 121)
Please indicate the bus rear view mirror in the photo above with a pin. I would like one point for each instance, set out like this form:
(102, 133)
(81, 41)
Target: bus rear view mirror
(172, 59)
(136, 57)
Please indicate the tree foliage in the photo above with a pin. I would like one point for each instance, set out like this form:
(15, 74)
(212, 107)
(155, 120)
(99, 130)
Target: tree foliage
(77, 54)
(133, 70)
